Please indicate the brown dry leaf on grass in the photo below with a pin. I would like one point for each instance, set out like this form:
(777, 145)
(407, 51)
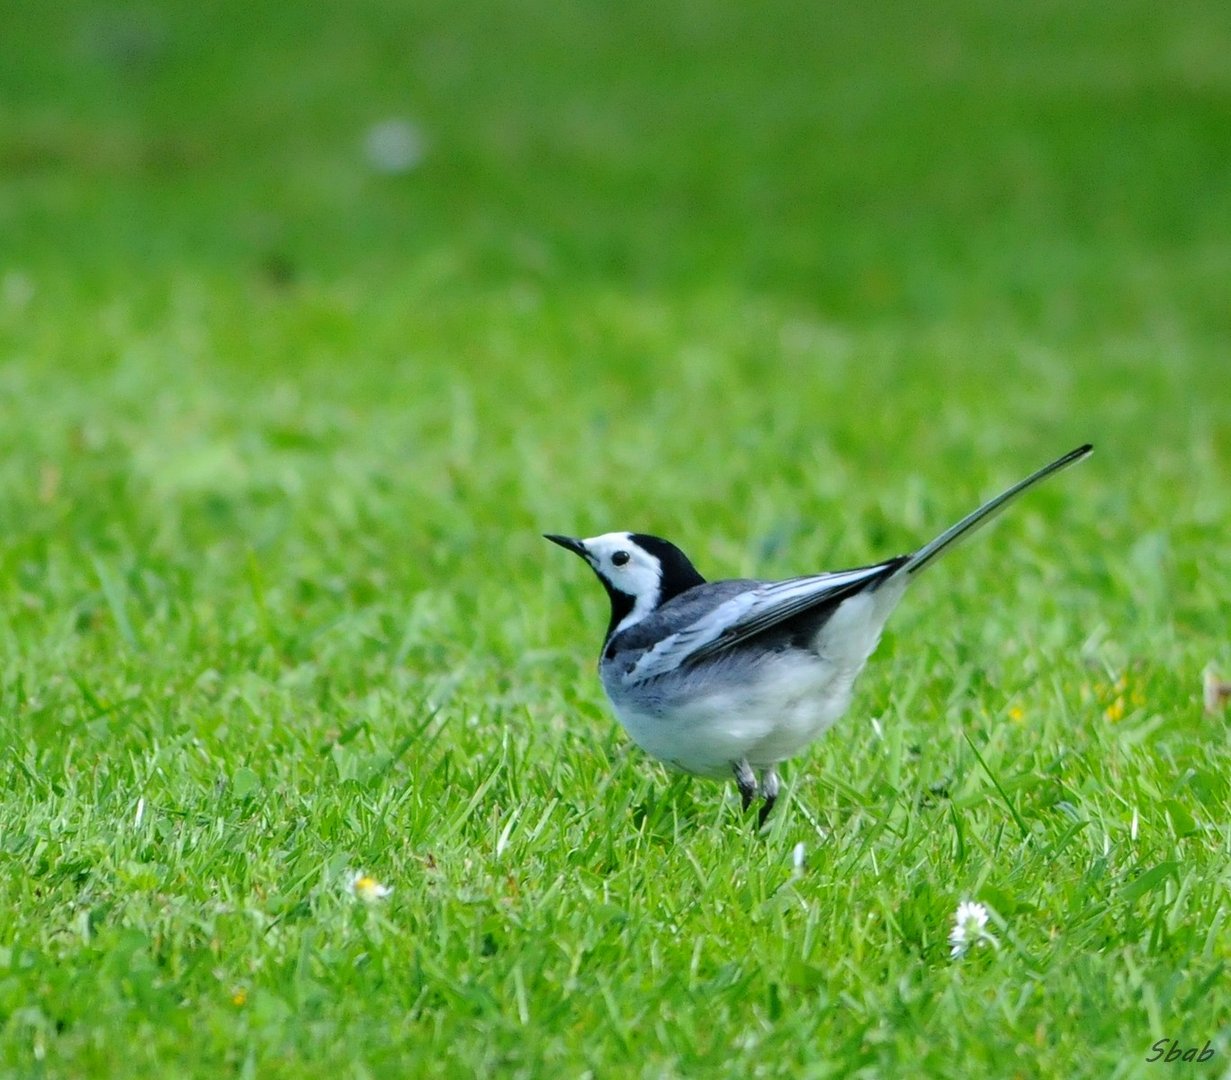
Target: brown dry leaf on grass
(1217, 692)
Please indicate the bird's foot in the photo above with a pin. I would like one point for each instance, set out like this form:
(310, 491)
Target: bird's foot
(769, 791)
(746, 780)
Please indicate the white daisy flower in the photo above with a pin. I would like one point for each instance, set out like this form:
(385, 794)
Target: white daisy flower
(366, 887)
(969, 928)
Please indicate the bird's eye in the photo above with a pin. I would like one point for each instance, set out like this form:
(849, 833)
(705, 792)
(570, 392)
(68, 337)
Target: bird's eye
(620, 558)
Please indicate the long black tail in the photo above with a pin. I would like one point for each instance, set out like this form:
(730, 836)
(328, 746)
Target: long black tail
(916, 562)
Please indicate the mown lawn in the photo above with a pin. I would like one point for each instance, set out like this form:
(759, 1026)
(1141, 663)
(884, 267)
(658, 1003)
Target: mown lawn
(793, 284)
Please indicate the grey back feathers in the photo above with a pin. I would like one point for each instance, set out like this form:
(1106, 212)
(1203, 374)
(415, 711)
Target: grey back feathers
(710, 619)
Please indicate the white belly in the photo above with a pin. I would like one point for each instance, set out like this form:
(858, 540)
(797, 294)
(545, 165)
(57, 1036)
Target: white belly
(762, 713)
(763, 722)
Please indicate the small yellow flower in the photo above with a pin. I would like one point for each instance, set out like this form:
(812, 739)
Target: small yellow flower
(1017, 714)
(1114, 712)
(368, 888)
(240, 997)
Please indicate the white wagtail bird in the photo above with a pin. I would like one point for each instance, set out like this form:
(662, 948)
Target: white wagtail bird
(731, 678)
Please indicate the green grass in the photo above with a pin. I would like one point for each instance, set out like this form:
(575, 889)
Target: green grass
(794, 285)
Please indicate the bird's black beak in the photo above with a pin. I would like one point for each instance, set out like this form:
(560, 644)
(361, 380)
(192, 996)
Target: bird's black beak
(575, 546)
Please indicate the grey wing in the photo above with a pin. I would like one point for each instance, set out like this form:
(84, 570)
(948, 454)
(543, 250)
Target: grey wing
(752, 612)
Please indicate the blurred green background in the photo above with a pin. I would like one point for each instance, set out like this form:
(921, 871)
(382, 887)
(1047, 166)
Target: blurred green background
(1060, 167)
(831, 214)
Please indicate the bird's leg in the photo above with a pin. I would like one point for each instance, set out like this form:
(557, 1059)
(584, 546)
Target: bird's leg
(746, 780)
(769, 789)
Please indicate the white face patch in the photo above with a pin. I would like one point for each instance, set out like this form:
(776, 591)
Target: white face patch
(628, 569)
